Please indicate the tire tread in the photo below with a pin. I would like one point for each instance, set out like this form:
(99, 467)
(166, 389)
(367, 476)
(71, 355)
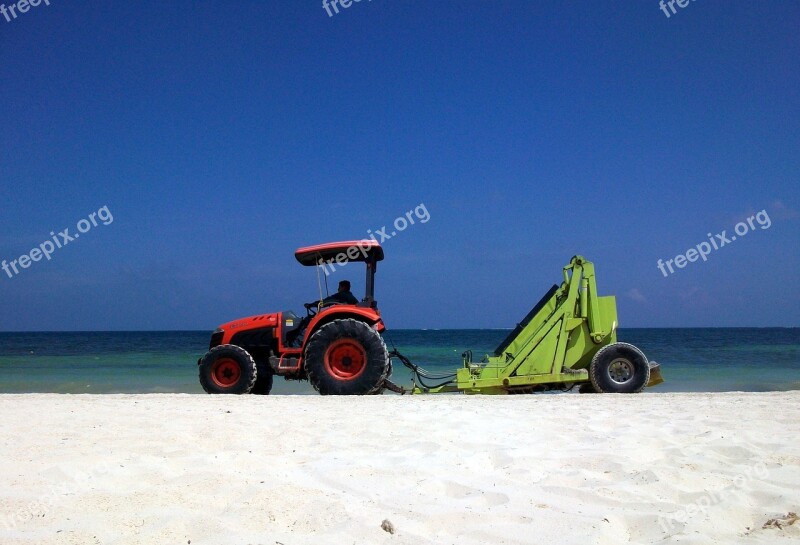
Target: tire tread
(594, 367)
(347, 327)
(248, 359)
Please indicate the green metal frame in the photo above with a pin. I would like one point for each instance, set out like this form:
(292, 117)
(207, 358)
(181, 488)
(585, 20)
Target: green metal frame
(554, 348)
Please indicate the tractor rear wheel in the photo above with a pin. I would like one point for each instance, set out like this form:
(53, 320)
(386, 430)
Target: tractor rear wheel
(347, 357)
(619, 368)
(228, 369)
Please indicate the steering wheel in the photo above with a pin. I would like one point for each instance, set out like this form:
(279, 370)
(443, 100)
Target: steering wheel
(313, 307)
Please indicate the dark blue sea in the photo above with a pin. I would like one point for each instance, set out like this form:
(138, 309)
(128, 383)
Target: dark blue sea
(692, 360)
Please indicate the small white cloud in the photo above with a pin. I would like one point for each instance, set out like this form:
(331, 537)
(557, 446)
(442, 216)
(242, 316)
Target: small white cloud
(636, 295)
(696, 296)
(783, 212)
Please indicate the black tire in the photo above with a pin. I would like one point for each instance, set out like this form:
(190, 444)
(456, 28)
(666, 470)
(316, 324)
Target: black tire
(265, 375)
(228, 369)
(619, 368)
(347, 357)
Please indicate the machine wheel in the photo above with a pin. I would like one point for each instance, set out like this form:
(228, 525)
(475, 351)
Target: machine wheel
(264, 377)
(228, 369)
(619, 368)
(347, 357)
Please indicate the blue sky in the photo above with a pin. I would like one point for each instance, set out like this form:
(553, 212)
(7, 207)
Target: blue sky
(224, 135)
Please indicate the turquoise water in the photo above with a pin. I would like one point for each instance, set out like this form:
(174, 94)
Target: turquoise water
(696, 360)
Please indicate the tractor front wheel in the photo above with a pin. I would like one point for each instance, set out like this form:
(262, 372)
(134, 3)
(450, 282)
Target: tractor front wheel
(263, 385)
(619, 368)
(228, 369)
(347, 357)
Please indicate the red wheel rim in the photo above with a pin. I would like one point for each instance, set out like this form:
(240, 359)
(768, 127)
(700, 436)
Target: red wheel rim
(225, 372)
(345, 359)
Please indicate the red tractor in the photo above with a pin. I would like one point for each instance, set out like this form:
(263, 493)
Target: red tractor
(337, 347)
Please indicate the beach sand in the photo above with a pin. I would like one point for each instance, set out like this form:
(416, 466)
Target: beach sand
(582, 469)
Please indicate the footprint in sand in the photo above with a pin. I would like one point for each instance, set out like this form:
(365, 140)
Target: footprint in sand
(459, 491)
(422, 447)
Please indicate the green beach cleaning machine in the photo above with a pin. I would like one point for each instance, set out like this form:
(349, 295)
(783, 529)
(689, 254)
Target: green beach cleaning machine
(567, 340)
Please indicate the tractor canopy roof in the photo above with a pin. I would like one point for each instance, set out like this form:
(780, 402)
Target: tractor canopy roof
(340, 252)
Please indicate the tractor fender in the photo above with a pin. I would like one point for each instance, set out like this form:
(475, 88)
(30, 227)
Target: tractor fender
(367, 315)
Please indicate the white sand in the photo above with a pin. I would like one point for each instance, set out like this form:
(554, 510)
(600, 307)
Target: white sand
(583, 469)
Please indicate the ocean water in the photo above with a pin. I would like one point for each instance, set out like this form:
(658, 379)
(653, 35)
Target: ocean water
(692, 360)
